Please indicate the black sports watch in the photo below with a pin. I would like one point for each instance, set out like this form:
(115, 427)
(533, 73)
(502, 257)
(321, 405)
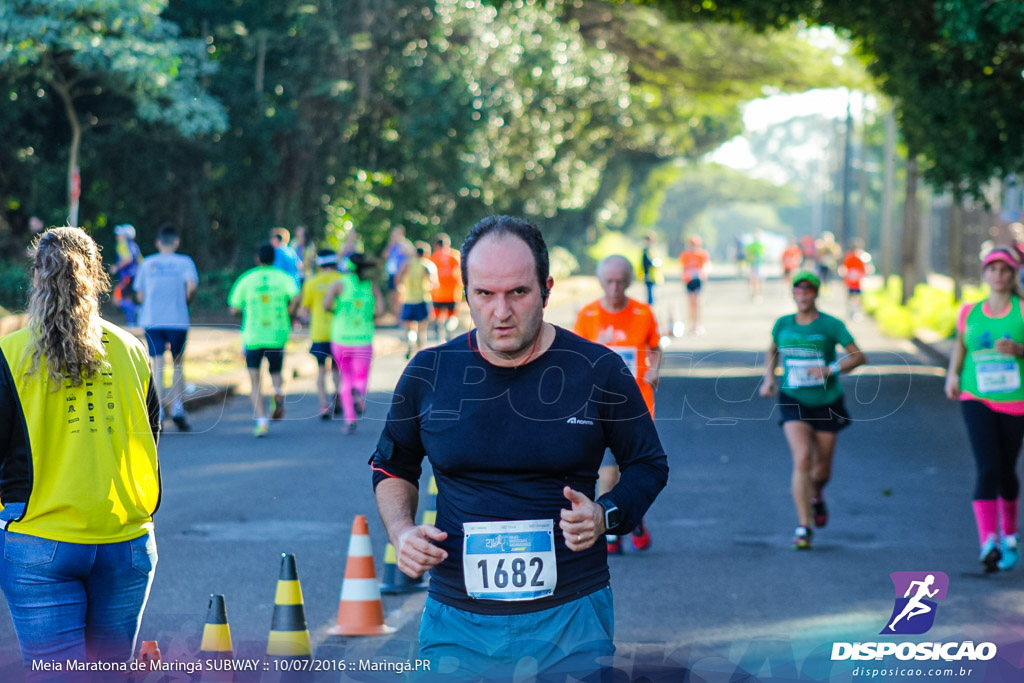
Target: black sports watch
(612, 516)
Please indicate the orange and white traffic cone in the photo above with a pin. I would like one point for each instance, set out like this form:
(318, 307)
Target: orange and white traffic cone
(360, 610)
(147, 666)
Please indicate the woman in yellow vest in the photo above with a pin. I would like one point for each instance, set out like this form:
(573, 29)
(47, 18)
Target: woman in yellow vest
(79, 477)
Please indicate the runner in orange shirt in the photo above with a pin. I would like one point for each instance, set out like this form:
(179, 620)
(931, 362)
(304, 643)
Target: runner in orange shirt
(629, 328)
(446, 294)
(694, 262)
(792, 258)
(855, 266)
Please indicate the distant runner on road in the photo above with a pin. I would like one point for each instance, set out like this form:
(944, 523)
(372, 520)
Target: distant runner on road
(855, 267)
(650, 264)
(811, 397)
(754, 253)
(266, 297)
(129, 256)
(355, 300)
(448, 291)
(694, 261)
(164, 286)
(320, 321)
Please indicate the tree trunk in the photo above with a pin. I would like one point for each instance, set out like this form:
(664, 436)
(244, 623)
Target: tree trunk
(911, 229)
(843, 233)
(862, 200)
(956, 241)
(261, 64)
(73, 177)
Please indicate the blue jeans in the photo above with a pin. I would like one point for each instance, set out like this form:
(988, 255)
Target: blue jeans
(574, 639)
(76, 601)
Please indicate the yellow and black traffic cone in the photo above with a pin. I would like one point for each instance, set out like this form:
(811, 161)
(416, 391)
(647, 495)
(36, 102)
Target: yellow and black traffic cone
(429, 515)
(289, 635)
(216, 643)
(392, 580)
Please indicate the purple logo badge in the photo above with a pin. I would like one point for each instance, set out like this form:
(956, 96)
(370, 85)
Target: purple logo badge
(916, 593)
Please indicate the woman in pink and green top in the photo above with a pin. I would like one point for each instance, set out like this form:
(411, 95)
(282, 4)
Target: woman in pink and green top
(355, 300)
(985, 372)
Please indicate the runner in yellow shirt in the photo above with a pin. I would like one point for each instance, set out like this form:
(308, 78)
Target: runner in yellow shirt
(629, 328)
(320, 320)
(417, 278)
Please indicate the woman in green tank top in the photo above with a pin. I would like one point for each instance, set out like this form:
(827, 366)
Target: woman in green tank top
(355, 301)
(985, 373)
(811, 407)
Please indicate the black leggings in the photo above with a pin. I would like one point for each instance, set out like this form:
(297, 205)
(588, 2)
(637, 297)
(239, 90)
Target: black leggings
(995, 439)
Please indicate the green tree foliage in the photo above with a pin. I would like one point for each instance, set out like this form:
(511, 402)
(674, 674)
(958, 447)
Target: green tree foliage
(106, 62)
(953, 68)
(700, 188)
(365, 114)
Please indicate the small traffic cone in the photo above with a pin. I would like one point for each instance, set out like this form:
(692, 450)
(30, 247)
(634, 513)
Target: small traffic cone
(360, 610)
(289, 635)
(393, 580)
(147, 663)
(216, 643)
(149, 655)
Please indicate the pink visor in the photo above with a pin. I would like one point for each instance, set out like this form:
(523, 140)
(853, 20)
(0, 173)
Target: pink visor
(1000, 255)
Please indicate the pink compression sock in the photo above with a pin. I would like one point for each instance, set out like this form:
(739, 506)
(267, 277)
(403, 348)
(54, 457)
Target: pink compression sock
(985, 515)
(1008, 514)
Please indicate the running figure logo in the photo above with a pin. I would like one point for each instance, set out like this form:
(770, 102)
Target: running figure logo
(914, 612)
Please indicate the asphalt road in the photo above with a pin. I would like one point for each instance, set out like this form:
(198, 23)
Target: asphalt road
(719, 596)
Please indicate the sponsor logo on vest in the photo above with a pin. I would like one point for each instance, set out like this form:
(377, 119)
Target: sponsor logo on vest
(577, 421)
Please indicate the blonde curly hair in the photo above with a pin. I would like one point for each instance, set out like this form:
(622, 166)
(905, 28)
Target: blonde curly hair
(64, 306)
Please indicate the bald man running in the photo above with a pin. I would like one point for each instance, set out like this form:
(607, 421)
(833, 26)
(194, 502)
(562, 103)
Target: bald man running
(629, 328)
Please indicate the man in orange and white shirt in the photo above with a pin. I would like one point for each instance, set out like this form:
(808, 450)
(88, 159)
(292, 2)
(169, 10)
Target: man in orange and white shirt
(792, 258)
(629, 328)
(694, 262)
(856, 265)
(447, 294)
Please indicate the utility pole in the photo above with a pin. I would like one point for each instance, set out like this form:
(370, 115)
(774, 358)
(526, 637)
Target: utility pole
(844, 220)
(887, 193)
(910, 270)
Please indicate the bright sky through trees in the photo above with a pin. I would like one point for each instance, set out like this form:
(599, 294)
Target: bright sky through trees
(760, 114)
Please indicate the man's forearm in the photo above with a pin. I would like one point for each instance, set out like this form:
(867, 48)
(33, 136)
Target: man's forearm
(397, 500)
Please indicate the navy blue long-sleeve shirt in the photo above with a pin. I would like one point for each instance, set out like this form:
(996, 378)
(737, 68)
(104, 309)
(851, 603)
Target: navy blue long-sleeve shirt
(503, 442)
